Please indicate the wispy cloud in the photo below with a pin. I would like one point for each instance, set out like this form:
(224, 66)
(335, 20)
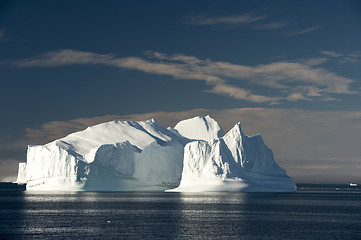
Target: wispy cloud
(297, 96)
(331, 53)
(304, 31)
(354, 58)
(65, 57)
(250, 20)
(271, 25)
(219, 20)
(241, 93)
(315, 61)
(344, 58)
(290, 81)
(258, 22)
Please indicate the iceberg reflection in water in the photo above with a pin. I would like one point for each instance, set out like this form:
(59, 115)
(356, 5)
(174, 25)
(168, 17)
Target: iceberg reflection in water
(307, 214)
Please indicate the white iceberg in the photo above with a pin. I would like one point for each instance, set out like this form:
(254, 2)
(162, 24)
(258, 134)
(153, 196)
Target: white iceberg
(144, 156)
(234, 162)
(113, 156)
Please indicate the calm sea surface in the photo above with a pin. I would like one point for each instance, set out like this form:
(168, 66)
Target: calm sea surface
(314, 212)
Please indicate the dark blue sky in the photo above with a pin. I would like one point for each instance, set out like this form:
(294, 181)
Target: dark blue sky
(63, 60)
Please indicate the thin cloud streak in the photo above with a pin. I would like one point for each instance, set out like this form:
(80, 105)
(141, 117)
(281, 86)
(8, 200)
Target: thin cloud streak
(65, 57)
(271, 25)
(331, 54)
(241, 93)
(343, 58)
(315, 61)
(297, 96)
(304, 31)
(256, 22)
(296, 80)
(229, 20)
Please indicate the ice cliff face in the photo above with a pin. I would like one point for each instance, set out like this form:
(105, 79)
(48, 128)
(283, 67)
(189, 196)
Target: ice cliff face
(109, 156)
(137, 156)
(234, 162)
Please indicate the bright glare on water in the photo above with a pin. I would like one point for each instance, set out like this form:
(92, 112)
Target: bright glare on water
(315, 212)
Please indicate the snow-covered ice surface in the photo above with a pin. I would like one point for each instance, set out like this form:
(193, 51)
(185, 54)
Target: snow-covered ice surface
(144, 156)
(200, 128)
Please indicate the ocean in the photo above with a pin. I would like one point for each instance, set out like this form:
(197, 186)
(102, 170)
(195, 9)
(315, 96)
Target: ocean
(314, 212)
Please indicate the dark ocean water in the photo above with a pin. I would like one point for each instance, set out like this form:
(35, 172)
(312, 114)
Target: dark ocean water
(314, 212)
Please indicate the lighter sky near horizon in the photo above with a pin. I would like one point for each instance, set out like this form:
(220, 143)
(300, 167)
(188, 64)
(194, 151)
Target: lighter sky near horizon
(289, 70)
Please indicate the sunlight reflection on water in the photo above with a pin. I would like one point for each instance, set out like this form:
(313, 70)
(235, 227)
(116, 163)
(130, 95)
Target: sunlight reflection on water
(98, 215)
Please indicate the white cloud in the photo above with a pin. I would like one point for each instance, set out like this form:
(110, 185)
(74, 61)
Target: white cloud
(223, 77)
(304, 31)
(278, 74)
(315, 61)
(312, 91)
(229, 20)
(331, 54)
(309, 145)
(271, 25)
(330, 99)
(353, 58)
(256, 22)
(297, 96)
(344, 58)
(241, 93)
(65, 57)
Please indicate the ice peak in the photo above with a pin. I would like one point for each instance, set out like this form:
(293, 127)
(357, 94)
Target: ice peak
(153, 120)
(235, 131)
(238, 126)
(200, 128)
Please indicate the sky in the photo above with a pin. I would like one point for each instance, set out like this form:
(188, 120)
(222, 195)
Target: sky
(289, 70)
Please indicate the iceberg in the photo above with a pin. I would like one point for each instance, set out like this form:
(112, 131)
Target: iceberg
(234, 162)
(193, 156)
(113, 156)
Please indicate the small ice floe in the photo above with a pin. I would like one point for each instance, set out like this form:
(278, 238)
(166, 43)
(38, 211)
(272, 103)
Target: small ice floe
(108, 221)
